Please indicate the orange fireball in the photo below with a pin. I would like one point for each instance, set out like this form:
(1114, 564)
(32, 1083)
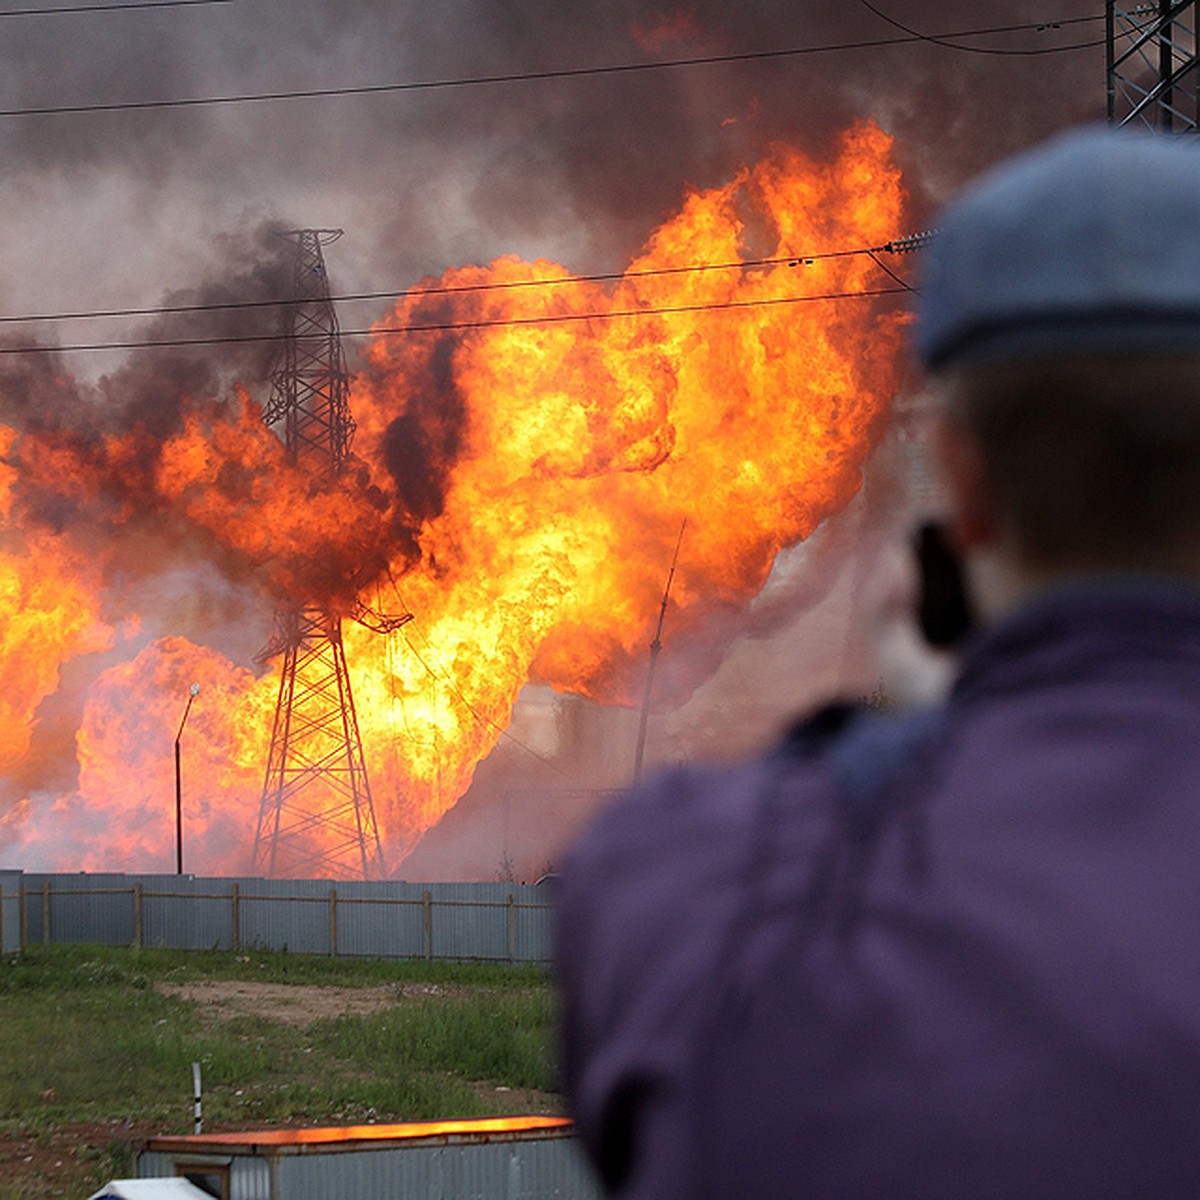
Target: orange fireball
(565, 456)
(524, 471)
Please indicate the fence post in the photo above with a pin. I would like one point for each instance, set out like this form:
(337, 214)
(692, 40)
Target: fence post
(46, 912)
(427, 907)
(333, 922)
(24, 916)
(235, 896)
(512, 928)
(1, 918)
(138, 938)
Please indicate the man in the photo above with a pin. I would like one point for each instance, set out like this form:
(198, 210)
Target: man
(956, 956)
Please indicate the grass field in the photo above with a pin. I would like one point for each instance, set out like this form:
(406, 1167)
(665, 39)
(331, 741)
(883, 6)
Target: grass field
(96, 1047)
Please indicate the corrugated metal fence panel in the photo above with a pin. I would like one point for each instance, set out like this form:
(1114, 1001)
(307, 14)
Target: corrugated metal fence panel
(533, 922)
(285, 914)
(80, 909)
(498, 922)
(470, 920)
(10, 912)
(182, 912)
(384, 920)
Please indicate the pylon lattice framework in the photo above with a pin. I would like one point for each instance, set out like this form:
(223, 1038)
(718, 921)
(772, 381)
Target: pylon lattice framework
(317, 816)
(1152, 65)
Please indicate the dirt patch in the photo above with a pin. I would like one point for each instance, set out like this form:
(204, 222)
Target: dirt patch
(291, 1004)
(68, 1160)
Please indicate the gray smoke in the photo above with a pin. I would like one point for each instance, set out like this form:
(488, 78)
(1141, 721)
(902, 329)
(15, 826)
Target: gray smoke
(180, 205)
(123, 205)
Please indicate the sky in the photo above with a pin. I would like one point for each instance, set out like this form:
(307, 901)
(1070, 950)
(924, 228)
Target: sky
(126, 208)
(463, 131)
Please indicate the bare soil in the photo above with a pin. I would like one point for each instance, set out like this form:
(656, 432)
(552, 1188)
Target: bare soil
(65, 1159)
(289, 1004)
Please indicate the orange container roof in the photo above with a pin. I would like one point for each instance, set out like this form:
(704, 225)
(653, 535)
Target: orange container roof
(480, 1128)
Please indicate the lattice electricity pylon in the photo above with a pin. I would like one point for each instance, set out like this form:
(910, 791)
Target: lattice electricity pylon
(310, 388)
(1152, 65)
(317, 816)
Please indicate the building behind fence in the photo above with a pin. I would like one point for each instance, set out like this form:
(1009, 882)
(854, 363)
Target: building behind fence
(494, 922)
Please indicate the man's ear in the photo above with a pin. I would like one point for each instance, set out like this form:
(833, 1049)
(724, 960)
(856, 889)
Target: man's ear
(972, 518)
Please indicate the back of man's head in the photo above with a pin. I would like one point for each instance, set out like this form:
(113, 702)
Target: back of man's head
(1060, 308)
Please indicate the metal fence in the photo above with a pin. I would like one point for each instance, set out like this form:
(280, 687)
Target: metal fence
(10, 912)
(494, 922)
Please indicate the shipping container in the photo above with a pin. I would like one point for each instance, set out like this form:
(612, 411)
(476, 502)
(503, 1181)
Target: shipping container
(494, 1158)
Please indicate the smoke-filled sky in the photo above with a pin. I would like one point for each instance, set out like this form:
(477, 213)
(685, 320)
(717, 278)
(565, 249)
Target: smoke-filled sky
(144, 479)
(116, 209)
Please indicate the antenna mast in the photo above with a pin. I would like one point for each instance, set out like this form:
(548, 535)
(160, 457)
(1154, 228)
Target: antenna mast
(655, 648)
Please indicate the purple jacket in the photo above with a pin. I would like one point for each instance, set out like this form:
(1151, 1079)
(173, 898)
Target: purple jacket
(976, 977)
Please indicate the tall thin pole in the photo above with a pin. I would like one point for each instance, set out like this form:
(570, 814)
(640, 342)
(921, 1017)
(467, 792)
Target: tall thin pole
(655, 647)
(193, 692)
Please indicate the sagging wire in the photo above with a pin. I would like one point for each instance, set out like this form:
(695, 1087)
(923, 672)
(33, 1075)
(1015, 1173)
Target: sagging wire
(454, 689)
(1017, 52)
(458, 326)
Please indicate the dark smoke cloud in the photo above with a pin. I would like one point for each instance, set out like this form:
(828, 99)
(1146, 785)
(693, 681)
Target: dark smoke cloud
(88, 453)
(583, 166)
(39, 391)
(251, 268)
(420, 447)
(184, 205)
(132, 208)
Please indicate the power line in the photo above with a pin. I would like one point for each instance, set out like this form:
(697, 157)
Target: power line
(908, 287)
(561, 73)
(456, 326)
(486, 721)
(122, 6)
(899, 246)
(445, 678)
(944, 41)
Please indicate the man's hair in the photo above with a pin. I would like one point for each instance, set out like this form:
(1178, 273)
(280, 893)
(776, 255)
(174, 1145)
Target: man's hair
(1093, 463)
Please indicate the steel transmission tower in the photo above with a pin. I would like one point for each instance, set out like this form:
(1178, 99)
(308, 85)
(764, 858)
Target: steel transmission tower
(316, 816)
(1152, 66)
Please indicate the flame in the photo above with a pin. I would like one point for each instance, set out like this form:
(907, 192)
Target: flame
(523, 477)
(226, 746)
(568, 456)
(49, 614)
(227, 474)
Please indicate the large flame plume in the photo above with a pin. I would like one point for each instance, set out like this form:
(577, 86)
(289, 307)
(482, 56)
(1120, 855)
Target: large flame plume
(520, 482)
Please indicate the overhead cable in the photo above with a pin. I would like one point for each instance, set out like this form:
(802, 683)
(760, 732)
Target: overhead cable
(456, 326)
(120, 6)
(888, 271)
(559, 73)
(896, 246)
(944, 40)
(443, 677)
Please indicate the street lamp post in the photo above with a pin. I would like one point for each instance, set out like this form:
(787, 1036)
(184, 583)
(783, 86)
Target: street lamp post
(193, 692)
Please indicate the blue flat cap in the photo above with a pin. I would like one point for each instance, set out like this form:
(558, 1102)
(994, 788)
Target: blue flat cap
(1088, 244)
